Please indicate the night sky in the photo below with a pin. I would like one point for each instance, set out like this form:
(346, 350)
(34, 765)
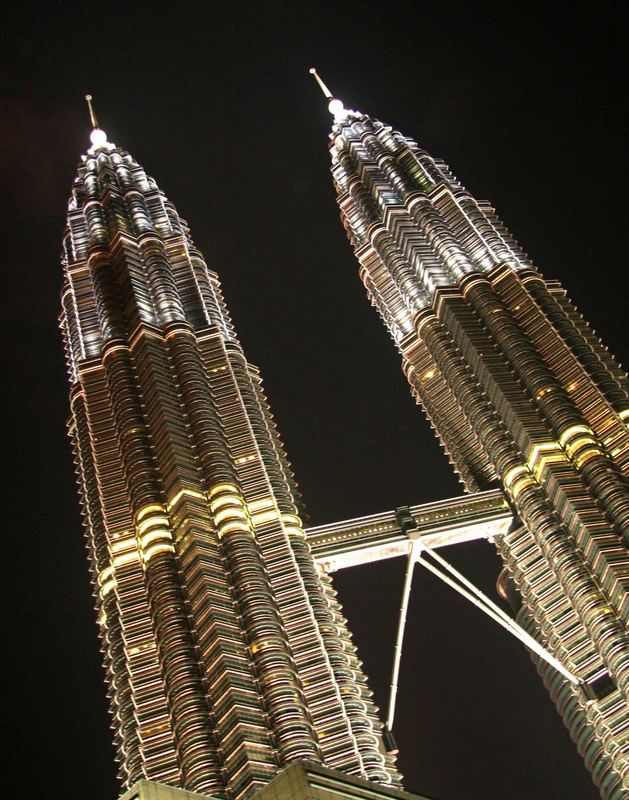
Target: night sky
(216, 103)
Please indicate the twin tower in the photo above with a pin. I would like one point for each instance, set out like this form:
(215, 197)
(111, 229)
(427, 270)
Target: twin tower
(226, 652)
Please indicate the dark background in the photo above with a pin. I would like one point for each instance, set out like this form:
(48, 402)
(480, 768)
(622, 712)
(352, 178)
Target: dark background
(525, 104)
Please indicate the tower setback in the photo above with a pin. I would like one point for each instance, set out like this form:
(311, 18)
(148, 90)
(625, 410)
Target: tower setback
(226, 653)
(522, 395)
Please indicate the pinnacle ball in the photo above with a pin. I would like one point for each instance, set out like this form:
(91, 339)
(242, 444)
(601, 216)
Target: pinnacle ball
(336, 107)
(98, 137)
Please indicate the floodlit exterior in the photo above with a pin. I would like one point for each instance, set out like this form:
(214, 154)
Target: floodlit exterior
(226, 653)
(522, 395)
(299, 781)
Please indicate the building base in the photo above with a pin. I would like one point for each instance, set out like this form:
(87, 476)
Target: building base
(302, 780)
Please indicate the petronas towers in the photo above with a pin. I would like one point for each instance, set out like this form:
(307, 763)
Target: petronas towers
(226, 652)
(522, 395)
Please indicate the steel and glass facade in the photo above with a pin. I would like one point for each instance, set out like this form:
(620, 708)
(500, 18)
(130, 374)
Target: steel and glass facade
(522, 395)
(226, 652)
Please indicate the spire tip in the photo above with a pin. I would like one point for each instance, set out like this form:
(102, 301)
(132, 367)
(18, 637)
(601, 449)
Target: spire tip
(335, 106)
(327, 93)
(98, 137)
(90, 108)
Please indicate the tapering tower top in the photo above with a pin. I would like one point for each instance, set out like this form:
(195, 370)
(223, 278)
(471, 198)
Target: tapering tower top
(335, 106)
(98, 137)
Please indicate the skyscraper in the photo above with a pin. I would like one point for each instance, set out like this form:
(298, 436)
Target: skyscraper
(522, 395)
(226, 652)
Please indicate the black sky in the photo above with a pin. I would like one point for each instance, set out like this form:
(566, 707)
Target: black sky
(524, 102)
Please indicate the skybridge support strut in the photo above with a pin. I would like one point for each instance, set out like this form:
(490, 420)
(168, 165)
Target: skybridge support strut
(418, 550)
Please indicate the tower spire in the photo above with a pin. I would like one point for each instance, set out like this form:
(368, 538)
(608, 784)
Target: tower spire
(98, 137)
(90, 108)
(335, 106)
(328, 94)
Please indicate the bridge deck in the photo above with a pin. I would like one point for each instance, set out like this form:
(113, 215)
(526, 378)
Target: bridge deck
(373, 538)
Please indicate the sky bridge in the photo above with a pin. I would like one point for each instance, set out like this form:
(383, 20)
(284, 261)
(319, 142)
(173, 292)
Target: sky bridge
(352, 542)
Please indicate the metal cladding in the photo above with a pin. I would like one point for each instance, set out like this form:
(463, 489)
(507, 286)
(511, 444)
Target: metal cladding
(519, 390)
(226, 652)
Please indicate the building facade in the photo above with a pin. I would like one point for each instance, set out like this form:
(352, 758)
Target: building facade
(522, 395)
(226, 652)
(299, 781)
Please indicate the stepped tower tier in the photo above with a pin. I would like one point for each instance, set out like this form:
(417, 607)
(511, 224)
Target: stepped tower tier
(521, 394)
(226, 652)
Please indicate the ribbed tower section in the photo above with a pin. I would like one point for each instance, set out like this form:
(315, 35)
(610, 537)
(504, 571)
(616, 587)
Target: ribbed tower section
(518, 389)
(226, 652)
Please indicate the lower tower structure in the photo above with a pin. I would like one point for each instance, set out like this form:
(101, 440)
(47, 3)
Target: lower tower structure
(226, 652)
(522, 395)
(301, 780)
